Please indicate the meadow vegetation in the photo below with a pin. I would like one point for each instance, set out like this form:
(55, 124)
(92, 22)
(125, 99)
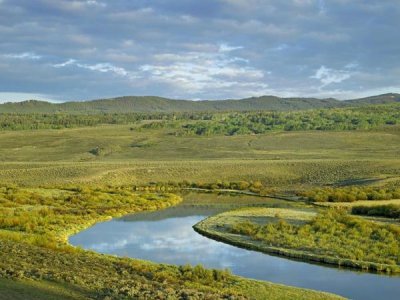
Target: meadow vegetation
(37, 290)
(351, 194)
(46, 217)
(387, 211)
(332, 236)
(62, 172)
(115, 155)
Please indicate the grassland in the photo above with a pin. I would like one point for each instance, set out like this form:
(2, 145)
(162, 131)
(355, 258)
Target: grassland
(331, 237)
(286, 159)
(37, 290)
(76, 162)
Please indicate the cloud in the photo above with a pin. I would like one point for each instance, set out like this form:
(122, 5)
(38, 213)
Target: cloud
(196, 72)
(227, 48)
(95, 3)
(207, 49)
(72, 6)
(98, 67)
(66, 63)
(24, 55)
(328, 76)
(105, 68)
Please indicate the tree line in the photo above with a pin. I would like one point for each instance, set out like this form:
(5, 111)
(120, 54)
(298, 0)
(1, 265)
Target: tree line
(321, 119)
(217, 123)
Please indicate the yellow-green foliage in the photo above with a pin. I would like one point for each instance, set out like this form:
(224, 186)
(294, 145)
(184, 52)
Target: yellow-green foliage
(35, 224)
(332, 233)
(47, 215)
(388, 211)
(351, 194)
(324, 119)
(359, 203)
(217, 123)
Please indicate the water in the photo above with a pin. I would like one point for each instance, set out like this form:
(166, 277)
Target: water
(167, 237)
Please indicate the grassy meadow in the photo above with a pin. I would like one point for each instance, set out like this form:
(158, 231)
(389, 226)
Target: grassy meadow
(114, 154)
(54, 182)
(37, 290)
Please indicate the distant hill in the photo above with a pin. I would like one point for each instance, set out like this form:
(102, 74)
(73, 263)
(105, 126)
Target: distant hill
(380, 99)
(158, 104)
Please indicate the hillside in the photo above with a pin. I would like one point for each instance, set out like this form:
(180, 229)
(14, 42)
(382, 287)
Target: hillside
(158, 104)
(379, 99)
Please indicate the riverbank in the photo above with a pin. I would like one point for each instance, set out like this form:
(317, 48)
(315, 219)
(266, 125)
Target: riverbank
(33, 239)
(220, 227)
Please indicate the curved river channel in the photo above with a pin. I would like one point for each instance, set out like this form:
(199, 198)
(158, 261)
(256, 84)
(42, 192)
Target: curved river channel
(167, 236)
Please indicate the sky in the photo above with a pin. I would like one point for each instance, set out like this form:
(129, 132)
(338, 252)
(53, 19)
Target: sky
(63, 50)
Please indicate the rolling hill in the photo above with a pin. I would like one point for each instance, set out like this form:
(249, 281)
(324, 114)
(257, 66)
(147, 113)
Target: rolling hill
(158, 104)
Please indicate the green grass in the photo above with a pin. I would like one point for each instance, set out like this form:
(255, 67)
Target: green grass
(38, 290)
(49, 162)
(119, 143)
(288, 160)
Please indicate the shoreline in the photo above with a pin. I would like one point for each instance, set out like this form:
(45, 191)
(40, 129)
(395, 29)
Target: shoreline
(369, 267)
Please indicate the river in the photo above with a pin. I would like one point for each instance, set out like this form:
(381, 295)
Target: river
(167, 236)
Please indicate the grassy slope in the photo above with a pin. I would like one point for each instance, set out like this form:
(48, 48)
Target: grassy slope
(286, 159)
(152, 104)
(37, 290)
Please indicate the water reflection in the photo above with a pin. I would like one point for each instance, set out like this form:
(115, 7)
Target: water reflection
(172, 240)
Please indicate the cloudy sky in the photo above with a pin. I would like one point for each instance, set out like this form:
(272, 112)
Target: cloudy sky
(209, 49)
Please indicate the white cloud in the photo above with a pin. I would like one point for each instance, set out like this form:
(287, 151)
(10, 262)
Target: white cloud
(66, 63)
(351, 66)
(328, 76)
(95, 3)
(199, 72)
(24, 55)
(227, 48)
(105, 68)
(99, 67)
